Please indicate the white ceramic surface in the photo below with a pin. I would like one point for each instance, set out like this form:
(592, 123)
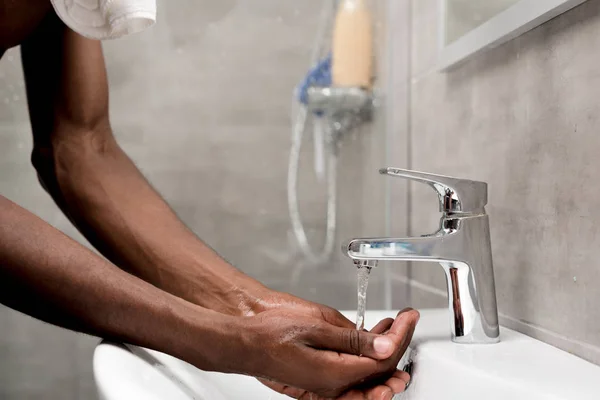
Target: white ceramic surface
(519, 367)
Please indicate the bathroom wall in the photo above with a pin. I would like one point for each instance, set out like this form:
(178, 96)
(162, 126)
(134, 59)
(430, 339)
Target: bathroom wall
(222, 87)
(201, 102)
(522, 117)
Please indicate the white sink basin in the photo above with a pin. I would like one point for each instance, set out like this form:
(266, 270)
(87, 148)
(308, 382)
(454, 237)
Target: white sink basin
(519, 367)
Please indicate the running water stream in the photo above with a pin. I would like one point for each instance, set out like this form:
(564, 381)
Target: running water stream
(363, 283)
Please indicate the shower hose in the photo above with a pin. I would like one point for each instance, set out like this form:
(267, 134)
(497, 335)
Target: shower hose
(320, 72)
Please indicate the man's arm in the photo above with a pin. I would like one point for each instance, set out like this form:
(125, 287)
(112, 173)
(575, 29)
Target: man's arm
(51, 277)
(99, 188)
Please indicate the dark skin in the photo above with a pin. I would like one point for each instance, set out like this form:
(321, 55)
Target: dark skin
(158, 286)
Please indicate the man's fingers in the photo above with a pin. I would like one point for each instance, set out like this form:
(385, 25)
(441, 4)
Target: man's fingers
(398, 381)
(369, 344)
(401, 375)
(381, 392)
(403, 327)
(383, 326)
(310, 396)
(334, 317)
(283, 389)
(352, 341)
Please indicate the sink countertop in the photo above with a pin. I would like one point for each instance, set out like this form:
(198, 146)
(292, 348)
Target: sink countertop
(518, 367)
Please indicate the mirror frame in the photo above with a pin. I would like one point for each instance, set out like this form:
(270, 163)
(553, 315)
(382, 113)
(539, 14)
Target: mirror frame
(510, 23)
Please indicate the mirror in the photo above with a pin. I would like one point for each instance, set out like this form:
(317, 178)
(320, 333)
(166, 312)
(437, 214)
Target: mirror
(468, 27)
(463, 16)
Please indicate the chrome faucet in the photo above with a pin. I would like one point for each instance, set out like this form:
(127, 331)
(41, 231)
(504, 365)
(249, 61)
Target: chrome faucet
(461, 246)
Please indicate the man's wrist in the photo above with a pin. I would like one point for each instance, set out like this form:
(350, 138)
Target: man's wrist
(242, 299)
(202, 277)
(206, 339)
(224, 289)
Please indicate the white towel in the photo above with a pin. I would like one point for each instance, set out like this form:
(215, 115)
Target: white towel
(106, 19)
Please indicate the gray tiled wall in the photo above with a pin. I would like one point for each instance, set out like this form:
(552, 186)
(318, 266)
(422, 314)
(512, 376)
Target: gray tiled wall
(524, 118)
(201, 102)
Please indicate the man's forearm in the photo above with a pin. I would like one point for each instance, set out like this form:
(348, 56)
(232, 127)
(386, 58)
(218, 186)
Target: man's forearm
(112, 204)
(51, 277)
(100, 189)
(48, 276)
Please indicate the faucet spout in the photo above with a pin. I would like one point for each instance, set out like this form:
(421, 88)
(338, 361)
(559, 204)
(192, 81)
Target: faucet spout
(424, 248)
(462, 248)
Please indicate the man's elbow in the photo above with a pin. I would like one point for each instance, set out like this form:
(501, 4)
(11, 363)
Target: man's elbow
(70, 147)
(41, 159)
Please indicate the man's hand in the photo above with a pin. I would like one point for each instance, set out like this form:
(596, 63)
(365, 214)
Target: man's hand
(395, 384)
(378, 390)
(309, 353)
(397, 380)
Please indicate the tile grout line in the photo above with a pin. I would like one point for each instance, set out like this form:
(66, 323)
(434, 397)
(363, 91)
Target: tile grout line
(409, 141)
(389, 128)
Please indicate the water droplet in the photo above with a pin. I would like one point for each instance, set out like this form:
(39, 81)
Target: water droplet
(16, 97)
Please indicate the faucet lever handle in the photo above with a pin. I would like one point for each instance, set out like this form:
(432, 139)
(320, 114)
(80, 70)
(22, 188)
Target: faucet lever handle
(455, 195)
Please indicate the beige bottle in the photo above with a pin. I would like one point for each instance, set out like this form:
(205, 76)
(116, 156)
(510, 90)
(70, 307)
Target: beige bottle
(352, 62)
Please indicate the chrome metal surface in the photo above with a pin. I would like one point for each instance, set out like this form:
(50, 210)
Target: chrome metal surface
(346, 108)
(461, 246)
(409, 366)
(336, 99)
(455, 195)
(365, 263)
